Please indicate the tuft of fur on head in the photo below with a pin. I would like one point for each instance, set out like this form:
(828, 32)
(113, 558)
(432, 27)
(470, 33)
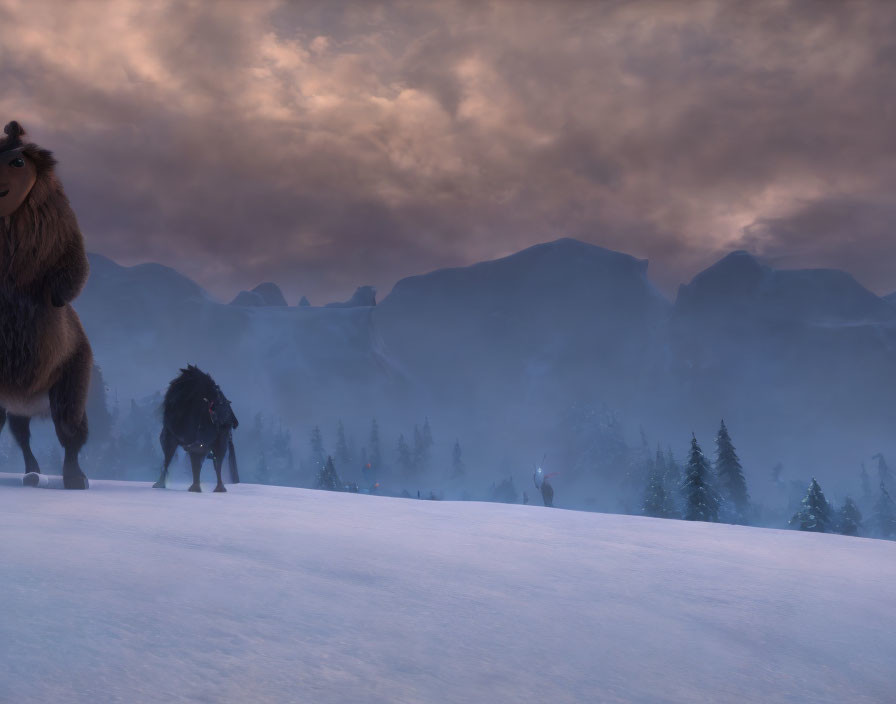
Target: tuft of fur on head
(44, 226)
(192, 389)
(43, 159)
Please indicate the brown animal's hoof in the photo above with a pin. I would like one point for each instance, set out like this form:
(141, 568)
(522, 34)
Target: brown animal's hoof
(195, 487)
(159, 485)
(220, 488)
(75, 481)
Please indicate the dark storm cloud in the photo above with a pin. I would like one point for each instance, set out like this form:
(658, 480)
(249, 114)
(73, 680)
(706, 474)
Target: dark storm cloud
(327, 145)
(824, 233)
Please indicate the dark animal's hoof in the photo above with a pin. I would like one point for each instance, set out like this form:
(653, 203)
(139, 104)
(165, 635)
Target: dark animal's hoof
(159, 485)
(220, 488)
(195, 487)
(75, 481)
(31, 479)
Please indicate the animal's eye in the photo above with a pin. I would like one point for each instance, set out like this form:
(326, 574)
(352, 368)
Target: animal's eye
(17, 163)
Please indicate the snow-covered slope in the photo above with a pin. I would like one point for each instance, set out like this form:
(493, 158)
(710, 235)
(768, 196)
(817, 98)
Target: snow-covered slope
(268, 594)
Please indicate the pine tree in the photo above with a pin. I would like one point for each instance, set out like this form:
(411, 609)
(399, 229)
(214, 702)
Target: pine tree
(374, 453)
(885, 514)
(731, 476)
(427, 437)
(883, 472)
(776, 474)
(343, 456)
(673, 472)
(670, 486)
(418, 459)
(317, 450)
(815, 514)
(327, 477)
(655, 498)
(403, 458)
(458, 469)
(849, 518)
(701, 498)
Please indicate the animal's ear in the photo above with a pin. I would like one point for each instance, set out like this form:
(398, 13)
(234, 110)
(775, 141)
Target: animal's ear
(14, 130)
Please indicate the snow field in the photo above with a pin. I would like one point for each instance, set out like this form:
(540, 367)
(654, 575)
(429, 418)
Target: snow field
(271, 594)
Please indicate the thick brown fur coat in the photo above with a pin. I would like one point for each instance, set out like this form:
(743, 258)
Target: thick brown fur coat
(45, 357)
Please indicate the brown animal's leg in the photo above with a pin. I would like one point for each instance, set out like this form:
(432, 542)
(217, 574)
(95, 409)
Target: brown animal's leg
(68, 398)
(196, 461)
(169, 447)
(22, 433)
(220, 450)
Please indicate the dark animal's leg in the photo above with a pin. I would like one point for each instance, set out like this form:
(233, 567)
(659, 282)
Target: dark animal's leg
(220, 449)
(68, 398)
(169, 447)
(22, 433)
(196, 461)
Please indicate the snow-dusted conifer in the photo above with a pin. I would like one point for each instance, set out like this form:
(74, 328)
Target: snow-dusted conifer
(816, 514)
(671, 488)
(427, 438)
(655, 499)
(458, 469)
(700, 497)
(418, 455)
(318, 456)
(849, 518)
(374, 451)
(883, 472)
(673, 482)
(732, 484)
(327, 477)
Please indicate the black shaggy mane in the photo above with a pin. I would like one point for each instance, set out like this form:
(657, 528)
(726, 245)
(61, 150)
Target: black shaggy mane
(185, 393)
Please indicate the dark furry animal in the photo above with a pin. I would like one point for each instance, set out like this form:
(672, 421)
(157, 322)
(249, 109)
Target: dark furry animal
(45, 358)
(197, 416)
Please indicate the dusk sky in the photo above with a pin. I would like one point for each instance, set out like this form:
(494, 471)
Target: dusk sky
(325, 145)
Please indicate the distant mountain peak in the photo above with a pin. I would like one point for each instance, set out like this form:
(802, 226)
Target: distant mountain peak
(739, 282)
(364, 296)
(271, 294)
(163, 279)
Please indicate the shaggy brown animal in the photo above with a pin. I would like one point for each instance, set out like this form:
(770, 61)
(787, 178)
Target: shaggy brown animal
(45, 357)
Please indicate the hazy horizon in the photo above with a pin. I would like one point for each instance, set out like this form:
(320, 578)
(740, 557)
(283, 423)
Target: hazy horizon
(669, 294)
